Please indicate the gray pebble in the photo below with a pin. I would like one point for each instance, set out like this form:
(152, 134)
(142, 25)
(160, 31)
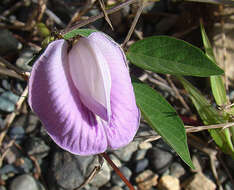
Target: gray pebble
(27, 165)
(9, 44)
(177, 170)
(6, 169)
(8, 101)
(139, 155)
(102, 177)
(24, 182)
(126, 152)
(116, 188)
(10, 96)
(2, 188)
(116, 161)
(17, 133)
(141, 165)
(24, 58)
(6, 105)
(36, 147)
(6, 84)
(68, 171)
(159, 159)
(228, 186)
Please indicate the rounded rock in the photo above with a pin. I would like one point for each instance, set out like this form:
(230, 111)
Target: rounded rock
(141, 165)
(159, 159)
(24, 182)
(177, 170)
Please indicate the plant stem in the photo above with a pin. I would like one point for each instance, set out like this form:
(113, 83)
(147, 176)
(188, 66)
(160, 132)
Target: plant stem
(116, 169)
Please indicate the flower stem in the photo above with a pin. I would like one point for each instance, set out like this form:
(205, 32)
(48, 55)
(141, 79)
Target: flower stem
(116, 169)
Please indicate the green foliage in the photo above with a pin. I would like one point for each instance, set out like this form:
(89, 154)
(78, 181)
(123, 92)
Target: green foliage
(162, 117)
(80, 32)
(162, 54)
(216, 82)
(219, 93)
(210, 116)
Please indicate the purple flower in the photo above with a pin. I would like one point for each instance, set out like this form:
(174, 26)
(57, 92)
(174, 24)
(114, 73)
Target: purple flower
(84, 96)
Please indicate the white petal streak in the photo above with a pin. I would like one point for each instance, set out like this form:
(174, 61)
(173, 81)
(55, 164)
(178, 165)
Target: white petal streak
(91, 76)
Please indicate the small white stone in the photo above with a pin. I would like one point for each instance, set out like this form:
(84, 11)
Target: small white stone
(168, 182)
(145, 145)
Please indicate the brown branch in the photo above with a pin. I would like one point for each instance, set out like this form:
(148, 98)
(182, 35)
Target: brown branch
(76, 16)
(94, 18)
(136, 18)
(116, 169)
(189, 129)
(102, 5)
(14, 68)
(93, 173)
(181, 99)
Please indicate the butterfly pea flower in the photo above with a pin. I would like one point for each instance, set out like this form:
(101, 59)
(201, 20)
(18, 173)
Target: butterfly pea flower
(83, 95)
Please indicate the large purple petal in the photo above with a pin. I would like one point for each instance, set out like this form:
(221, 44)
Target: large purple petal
(54, 98)
(125, 114)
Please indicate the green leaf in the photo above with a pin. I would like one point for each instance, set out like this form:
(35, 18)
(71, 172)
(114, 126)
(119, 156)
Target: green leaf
(210, 116)
(162, 54)
(218, 90)
(217, 84)
(80, 32)
(163, 119)
(207, 44)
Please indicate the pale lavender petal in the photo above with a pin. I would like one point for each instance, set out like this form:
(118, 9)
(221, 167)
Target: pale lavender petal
(54, 98)
(91, 76)
(125, 114)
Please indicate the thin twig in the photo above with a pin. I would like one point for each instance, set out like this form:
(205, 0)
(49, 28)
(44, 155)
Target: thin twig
(41, 9)
(138, 14)
(11, 117)
(37, 173)
(228, 106)
(189, 129)
(7, 149)
(93, 173)
(230, 2)
(8, 72)
(94, 18)
(164, 86)
(181, 99)
(102, 5)
(76, 16)
(156, 79)
(14, 68)
(54, 17)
